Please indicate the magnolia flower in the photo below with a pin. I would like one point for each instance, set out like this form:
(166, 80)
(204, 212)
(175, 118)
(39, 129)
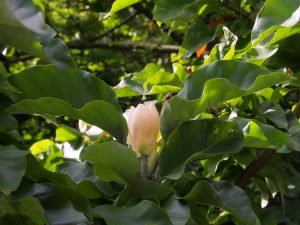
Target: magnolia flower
(143, 128)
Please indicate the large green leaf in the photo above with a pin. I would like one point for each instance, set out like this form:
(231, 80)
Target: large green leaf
(22, 25)
(197, 35)
(274, 15)
(12, 168)
(152, 80)
(212, 84)
(178, 212)
(197, 139)
(259, 135)
(166, 10)
(121, 4)
(75, 93)
(73, 85)
(144, 189)
(62, 183)
(30, 207)
(112, 161)
(144, 213)
(286, 56)
(226, 196)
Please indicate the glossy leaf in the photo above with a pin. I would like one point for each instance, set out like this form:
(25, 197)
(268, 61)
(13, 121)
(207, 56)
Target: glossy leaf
(212, 84)
(145, 212)
(74, 93)
(74, 86)
(152, 80)
(143, 189)
(112, 162)
(259, 54)
(259, 135)
(226, 196)
(22, 25)
(121, 4)
(64, 185)
(12, 168)
(273, 15)
(198, 139)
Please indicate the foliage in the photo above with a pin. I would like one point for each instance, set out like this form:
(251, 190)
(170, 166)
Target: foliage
(224, 75)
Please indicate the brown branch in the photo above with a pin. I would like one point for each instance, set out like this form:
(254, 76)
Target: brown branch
(126, 45)
(254, 167)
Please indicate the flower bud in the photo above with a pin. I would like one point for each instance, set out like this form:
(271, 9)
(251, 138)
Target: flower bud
(143, 128)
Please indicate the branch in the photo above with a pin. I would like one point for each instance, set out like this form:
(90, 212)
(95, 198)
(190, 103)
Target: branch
(126, 45)
(254, 167)
(114, 28)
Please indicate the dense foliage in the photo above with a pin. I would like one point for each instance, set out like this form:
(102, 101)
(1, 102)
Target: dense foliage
(223, 74)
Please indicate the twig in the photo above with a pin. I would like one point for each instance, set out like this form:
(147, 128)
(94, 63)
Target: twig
(254, 167)
(105, 33)
(126, 45)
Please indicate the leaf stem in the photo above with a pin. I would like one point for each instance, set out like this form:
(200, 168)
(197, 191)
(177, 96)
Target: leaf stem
(144, 167)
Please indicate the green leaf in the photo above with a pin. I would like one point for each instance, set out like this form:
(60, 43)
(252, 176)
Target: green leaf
(294, 137)
(112, 161)
(274, 15)
(52, 155)
(259, 54)
(197, 35)
(259, 135)
(7, 121)
(12, 168)
(63, 184)
(74, 93)
(73, 85)
(65, 133)
(152, 80)
(121, 4)
(143, 189)
(198, 139)
(31, 207)
(178, 212)
(212, 84)
(277, 115)
(286, 56)
(22, 25)
(166, 10)
(145, 212)
(226, 196)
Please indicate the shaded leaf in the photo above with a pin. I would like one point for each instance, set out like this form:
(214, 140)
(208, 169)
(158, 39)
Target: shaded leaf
(197, 35)
(12, 168)
(145, 212)
(143, 189)
(22, 25)
(226, 196)
(198, 139)
(112, 161)
(212, 84)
